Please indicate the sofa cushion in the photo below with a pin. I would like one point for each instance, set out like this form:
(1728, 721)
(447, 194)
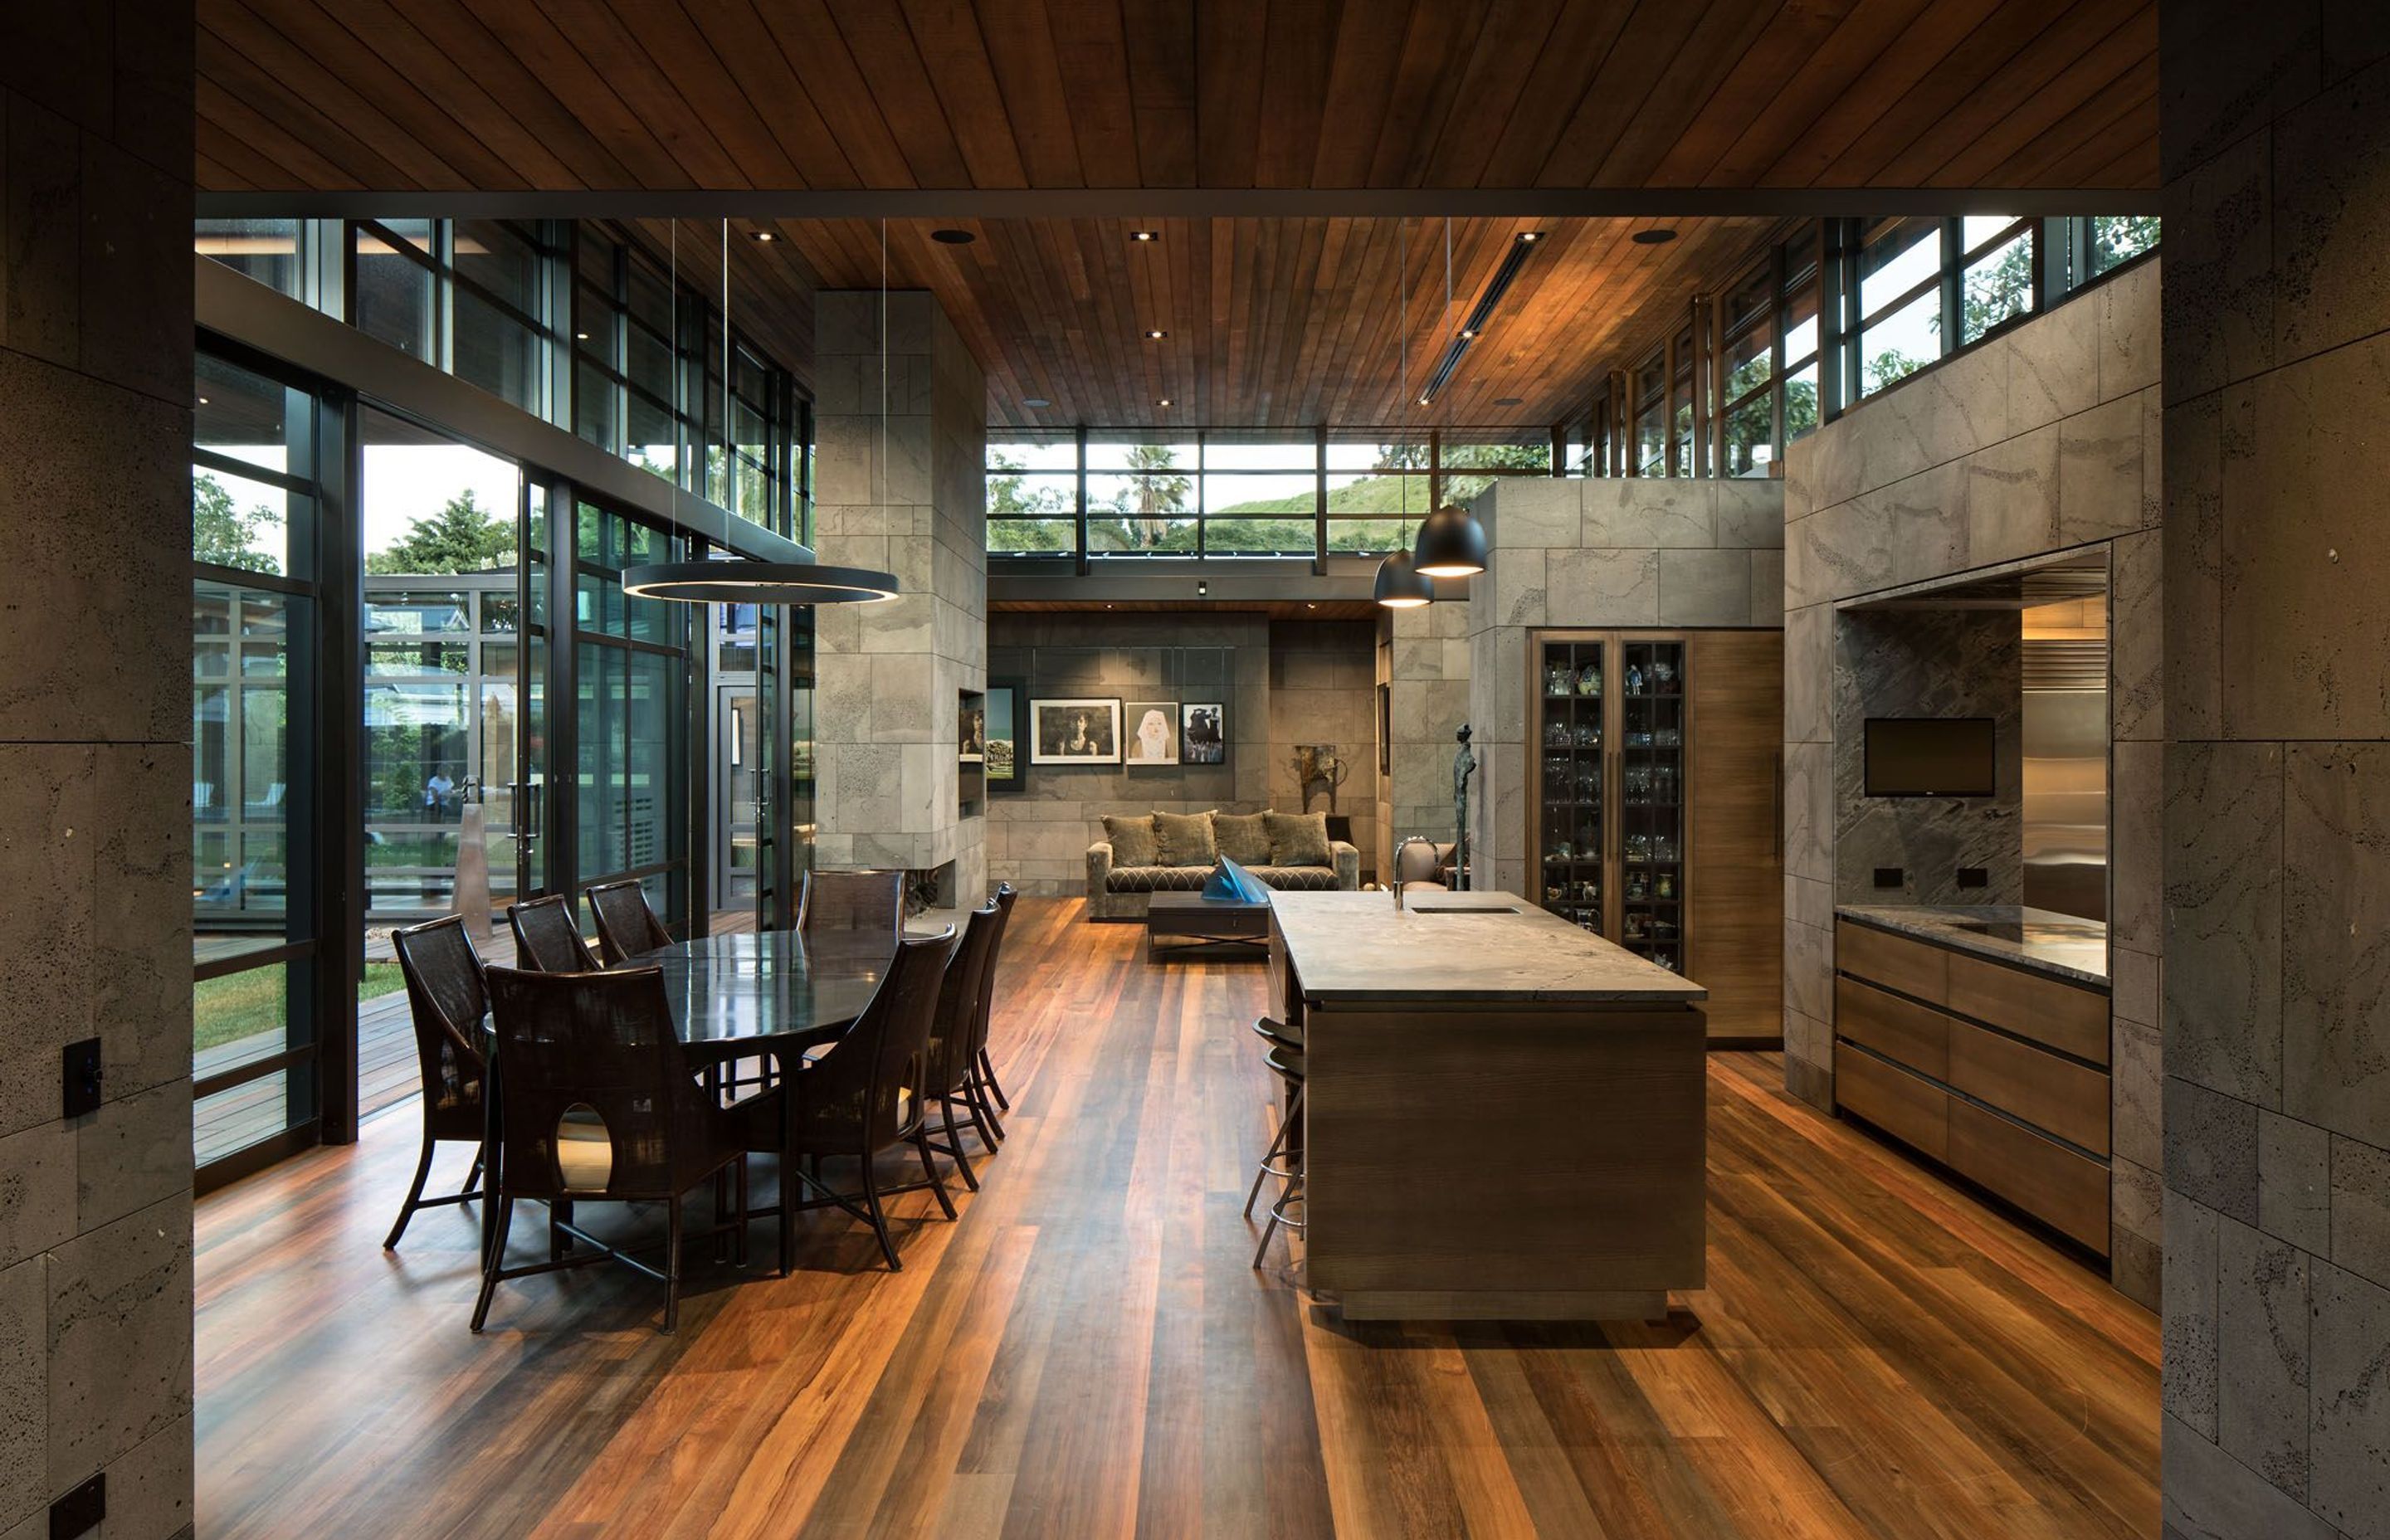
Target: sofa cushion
(1299, 840)
(1186, 839)
(1156, 879)
(1133, 843)
(1243, 837)
(1310, 880)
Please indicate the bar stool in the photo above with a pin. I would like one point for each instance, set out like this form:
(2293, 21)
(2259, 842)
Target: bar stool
(1283, 1159)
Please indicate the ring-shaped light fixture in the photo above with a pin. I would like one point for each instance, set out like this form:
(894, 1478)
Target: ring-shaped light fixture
(758, 582)
(1451, 544)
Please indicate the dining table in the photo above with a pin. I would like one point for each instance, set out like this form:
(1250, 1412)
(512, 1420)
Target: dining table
(745, 994)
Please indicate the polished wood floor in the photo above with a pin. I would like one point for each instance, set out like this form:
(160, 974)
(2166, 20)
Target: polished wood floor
(1087, 1353)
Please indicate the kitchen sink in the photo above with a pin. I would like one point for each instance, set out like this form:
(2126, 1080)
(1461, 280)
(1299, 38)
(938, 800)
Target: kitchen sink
(1462, 908)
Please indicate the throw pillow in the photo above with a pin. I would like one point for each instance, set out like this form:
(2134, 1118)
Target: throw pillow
(1133, 841)
(1299, 840)
(1243, 837)
(1186, 838)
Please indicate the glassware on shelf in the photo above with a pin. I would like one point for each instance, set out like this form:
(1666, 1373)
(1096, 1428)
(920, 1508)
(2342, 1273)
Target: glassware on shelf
(1588, 735)
(1662, 678)
(1634, 679)
(1638, 887)
(1638, 847)
(1669, 737)
(1664, 847)
(1556, 734)
(1588, 679)
(1556, 679)
(1667, 884)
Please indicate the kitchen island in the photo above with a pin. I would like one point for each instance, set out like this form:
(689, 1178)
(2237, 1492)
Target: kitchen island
(1503, 1115)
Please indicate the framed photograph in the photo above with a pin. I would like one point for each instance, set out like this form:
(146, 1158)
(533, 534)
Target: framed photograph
(1006, 766)
(970, 728)
(1152, 740)
(1080, 730)
(1203, 733)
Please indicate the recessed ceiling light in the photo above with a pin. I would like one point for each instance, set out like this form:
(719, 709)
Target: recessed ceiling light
(1468, 332)
(1163, 401)
(1508, 400)
(1144, 234)
(1036, 401)
(1155, 335)
(761, 235)
(1424, 400)
(581, 336)
(953, 237)
(203, 401)
(1530, 237)
(1660, 236)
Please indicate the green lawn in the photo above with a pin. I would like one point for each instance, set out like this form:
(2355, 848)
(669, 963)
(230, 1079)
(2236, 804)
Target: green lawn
(242, 1005)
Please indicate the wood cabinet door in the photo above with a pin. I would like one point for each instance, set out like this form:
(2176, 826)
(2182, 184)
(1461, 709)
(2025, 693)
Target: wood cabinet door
(1736, 877)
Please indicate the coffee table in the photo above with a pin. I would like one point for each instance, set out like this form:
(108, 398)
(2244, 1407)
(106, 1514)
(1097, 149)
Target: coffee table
(1203, 923)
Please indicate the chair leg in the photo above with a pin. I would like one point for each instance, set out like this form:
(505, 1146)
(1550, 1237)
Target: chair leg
(472, 1177)
(991, 1131)
(491, 1263)
(878, 1219)
(672, 1267)
(1267, 1230)
(987, 1072)
(955, 1142)
(413, 1195)
(937, 1183)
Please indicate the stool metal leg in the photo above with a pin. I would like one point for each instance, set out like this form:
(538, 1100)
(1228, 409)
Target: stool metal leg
(1285, 1126)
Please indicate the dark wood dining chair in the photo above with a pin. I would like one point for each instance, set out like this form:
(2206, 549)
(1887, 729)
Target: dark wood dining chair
(598, 1104)
(627, 928)
(547, 940)
(1005, 894)
(954, 1068)
(867, 1094)
(446, 997)
(852, 904)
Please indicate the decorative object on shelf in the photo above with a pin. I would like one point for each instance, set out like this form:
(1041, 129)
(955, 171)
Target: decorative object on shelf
(970, 729)
(1077, 730)
(1317, 767)
(1007, 768)
(1203, 733)
(1152, 740)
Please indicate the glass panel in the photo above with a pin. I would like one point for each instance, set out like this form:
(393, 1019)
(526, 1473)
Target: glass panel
(1751, 436)
(2119, 238)
(1258, 537)
(1749, 359)
(1021, 504)
(232, 1119)
(1975, 229)
(1800, 403)
(1896, 260)
(1025, 454)
(1651, 796)
(392, 298)
(1800, 326)
(1469, 468)
(1141, 459)
(434, 506)
(1572, 772)
(1998, 288)
(238, 522)
(1142, 514)
(1031, 537)
(243, 415)
(265, 249)
(1651, 443)
(498, 353)
(1369, 536)
(653, 437)
(1251, 513)
(592, 406)
(1901, 343)
(501, 260)
(240, 758)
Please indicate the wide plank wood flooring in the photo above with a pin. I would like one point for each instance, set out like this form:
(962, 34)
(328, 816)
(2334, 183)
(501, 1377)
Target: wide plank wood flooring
(1087, 1353)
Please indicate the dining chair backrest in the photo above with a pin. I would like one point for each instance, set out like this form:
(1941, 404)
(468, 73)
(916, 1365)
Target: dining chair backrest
(599, 1099)
(447, 997)
(627, 928)
(546, 939)
(959, 994)
(986, 1011)
(869, 1086)
(867, 901)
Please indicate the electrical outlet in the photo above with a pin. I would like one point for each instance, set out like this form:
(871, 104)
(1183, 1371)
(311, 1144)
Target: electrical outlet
(80, 1093)
(1889, 877)
(81, 1511)
(1974, 877)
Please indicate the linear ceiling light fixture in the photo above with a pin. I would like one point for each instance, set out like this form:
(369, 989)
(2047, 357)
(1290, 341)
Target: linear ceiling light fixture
(1399, 584)
(1451, 542)
(1472, 328)
(744, 581)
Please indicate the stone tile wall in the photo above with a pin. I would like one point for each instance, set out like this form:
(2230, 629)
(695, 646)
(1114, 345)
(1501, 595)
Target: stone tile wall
(1038, 838)
(2275, 817)
(1323, 689)
(2044, 439)
(1598, 552)
(95, 1292)
(909, 498)
(1426, 663)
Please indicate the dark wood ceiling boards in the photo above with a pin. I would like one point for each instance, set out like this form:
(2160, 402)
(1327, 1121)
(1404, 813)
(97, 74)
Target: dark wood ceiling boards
(397, 95)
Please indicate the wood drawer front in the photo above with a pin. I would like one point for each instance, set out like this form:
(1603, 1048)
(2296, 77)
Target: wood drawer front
(1895, 962)
(2041, 1176)
(1894, 1100)
(2066, 1018)
(2045, 1090)
(1901, 1029)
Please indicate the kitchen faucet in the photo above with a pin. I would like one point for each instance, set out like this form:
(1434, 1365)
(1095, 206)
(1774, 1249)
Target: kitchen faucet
(1409, 840)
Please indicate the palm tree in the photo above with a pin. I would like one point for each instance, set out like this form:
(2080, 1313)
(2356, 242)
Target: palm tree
(1160, 493)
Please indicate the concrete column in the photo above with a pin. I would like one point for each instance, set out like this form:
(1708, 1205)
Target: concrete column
(906, 492)
(94, 762)
(2275, 142)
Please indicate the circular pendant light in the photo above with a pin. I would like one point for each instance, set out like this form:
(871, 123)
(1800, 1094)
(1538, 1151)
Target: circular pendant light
(1451, 544)
(758, 582)
(1400, 586)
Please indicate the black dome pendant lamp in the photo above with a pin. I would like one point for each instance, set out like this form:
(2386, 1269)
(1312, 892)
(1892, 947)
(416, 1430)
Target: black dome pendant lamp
(1451, 541)
(1400, 584)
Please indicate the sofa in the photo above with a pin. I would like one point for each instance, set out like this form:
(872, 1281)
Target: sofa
(1121, 889)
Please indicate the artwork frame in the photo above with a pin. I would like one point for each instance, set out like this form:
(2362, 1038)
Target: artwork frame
(1006, 766)
(970, 728)
(1202, 741)
(1150, 735)
(1056, 722)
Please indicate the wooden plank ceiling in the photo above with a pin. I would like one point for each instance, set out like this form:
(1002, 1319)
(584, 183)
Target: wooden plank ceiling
(1271, 322)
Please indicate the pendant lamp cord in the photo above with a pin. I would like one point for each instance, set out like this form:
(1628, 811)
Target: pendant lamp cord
(725, 359)
(883, 362)
(1403, 345)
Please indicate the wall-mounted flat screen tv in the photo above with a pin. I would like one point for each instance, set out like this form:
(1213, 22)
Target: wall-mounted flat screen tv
(1929, 756)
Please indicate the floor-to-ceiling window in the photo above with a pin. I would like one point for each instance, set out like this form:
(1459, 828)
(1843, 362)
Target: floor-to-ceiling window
(630, 719)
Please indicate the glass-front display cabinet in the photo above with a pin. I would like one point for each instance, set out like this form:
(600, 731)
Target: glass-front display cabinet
(1612, 727)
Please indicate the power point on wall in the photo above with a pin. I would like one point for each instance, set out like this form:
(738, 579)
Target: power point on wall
(81, 1092)
(80, 1510)
(1888, 876)
(1974, 877)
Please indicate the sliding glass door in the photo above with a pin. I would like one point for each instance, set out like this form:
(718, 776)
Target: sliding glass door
(631, 676)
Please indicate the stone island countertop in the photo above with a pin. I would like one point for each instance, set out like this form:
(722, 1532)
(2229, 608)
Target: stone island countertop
(1442, 945)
